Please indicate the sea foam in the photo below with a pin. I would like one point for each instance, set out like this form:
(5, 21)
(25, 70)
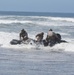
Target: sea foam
(6, 37)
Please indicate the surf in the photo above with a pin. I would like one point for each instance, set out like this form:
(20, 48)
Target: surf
(6, 37)
(10, 26)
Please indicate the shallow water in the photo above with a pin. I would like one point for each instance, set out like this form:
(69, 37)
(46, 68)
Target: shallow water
(36, 62)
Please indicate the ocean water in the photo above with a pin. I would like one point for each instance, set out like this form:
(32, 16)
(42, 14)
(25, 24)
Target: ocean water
(31, 59)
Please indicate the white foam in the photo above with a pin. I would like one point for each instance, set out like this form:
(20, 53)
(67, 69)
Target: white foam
(6, 37)
(45, 21)
(62, 19)
(13, 21)
(55, 21)
(55, 18)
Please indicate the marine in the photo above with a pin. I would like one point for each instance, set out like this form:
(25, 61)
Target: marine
(23, 35)
(39, 37)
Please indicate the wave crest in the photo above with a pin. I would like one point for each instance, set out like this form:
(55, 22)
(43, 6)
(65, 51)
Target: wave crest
(13, 21)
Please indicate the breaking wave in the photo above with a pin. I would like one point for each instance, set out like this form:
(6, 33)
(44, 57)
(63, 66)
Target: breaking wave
(39, 20)
(6, 37)
(32, 24)
(13, 21)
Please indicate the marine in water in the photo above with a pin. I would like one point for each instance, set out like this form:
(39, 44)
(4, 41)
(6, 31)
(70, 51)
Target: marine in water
(51, 39)
(23, 35)
(39, 37)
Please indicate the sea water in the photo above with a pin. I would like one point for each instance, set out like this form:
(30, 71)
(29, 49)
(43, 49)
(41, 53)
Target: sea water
(32, 59)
